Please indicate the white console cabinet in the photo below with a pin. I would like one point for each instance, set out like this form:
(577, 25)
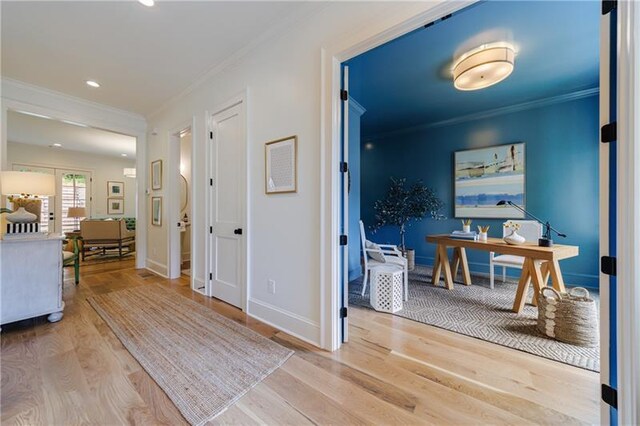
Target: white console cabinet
(31, 278)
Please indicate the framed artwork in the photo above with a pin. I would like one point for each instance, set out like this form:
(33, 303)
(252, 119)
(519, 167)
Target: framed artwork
(156, 175)
(156, 211)
(485, 176)
(115, 206)
(281, 163)
(115, 189)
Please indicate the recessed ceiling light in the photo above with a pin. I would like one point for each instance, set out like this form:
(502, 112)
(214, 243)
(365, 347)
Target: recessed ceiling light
(57, 145)
(92, 83)
(147, 3)
(124, 155)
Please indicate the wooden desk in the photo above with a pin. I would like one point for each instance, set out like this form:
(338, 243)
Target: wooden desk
(539, 264)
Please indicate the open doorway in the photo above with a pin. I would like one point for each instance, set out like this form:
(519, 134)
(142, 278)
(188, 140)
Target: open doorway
(186, 182)
(411, 123)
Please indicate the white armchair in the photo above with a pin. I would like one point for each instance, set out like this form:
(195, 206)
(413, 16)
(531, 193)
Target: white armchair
(381, 254)
(531, 230)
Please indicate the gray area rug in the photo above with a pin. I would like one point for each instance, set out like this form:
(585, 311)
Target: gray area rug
(203, 361)
(480, 312)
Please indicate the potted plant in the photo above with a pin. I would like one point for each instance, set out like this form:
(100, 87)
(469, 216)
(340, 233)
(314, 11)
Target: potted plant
(403, 204)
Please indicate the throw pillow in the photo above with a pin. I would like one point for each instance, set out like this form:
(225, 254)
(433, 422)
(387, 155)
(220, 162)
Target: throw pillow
(375, 255)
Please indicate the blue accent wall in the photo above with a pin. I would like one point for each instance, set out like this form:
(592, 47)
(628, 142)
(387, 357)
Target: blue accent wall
(561, 177)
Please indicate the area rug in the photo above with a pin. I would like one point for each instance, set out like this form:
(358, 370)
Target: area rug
(203, 361)
(480, 312)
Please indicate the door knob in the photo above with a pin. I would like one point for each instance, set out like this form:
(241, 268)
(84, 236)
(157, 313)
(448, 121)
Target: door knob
(238, 231)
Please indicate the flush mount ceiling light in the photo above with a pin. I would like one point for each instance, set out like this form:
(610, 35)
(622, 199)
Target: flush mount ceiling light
(484, 66)
(93, 83)
(57, 145)
(147, 3)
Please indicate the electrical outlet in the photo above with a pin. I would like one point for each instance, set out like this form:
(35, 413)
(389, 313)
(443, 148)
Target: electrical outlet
(271, 287)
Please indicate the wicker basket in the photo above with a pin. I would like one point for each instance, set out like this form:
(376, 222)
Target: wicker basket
(568, 317)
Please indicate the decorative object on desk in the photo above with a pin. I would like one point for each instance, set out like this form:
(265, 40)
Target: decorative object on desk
(545, 240)
(486, 175)
(570, 317)
(461, 235)
(513, 238)
(402, 204)
(115, 206)
(23, 189)
(482, 231)
(115, 189)
(77, 213)
(156, 175)
(156, 211)
(466, 225)
(280, 166)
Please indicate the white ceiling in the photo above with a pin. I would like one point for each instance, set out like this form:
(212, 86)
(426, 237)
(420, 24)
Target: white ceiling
(22, 128)
(142, 56)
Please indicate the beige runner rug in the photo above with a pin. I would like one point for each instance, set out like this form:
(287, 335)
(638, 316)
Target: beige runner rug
(203, 361)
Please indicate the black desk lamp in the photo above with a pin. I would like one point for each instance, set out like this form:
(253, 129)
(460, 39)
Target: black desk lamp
(546, 240)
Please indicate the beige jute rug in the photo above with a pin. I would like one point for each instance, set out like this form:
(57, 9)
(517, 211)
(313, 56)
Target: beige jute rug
(203, 361)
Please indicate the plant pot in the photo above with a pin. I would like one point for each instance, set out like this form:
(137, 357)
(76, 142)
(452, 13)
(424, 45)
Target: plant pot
(21, 216)
(31, 205)
(466, 228)
(410, 255)
(482, 236)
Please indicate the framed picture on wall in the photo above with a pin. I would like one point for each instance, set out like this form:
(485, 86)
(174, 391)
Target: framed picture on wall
(485, 176)
(115, 206)
(156, 211)
(156, 175)
(115, 189)
(281, 163)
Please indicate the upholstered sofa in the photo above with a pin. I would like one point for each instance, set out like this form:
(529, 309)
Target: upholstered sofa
(106, 235)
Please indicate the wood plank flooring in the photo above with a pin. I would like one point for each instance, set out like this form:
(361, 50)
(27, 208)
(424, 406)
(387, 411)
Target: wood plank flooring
(393, 371)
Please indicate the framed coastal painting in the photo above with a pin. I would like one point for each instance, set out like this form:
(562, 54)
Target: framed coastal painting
(115, 206)
(485, 176)
(156, 211)
(281, 163)
(156, 175)
(115, 189)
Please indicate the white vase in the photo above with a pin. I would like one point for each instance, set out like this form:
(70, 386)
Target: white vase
(514, 239)
(483, 236)
(21, 216)
(466, 228)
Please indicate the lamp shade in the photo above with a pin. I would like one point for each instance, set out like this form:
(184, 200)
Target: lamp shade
(32, 183)
(77, 212)
(483, 67)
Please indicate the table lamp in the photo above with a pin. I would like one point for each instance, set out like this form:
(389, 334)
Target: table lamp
(26, 186)
(77, 213)
(546, 240)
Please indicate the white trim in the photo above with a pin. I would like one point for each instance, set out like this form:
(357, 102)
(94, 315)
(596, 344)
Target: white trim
(385, 29)
(156, 268)
(628, 202)
(524, 106)
(296, 325)
(355, 105)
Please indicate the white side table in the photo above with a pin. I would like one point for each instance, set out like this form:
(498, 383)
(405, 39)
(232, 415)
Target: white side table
(386, 288)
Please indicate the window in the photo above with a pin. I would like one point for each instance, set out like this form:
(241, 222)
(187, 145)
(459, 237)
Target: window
(74, 194)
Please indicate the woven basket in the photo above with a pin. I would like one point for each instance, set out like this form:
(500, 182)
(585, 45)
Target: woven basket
(569, 317)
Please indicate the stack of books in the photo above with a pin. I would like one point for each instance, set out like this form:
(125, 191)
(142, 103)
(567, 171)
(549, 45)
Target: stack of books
(460, 235)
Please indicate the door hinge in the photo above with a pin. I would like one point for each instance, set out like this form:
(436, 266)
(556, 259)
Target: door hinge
(211, 135)
(608, 265)
(609, 395)
(343, 240)
(608, 6)
(211, 229)
(608, 133)
(344, 95)
(343, 312)
(344, 167)
(210, 181)
(210, 275)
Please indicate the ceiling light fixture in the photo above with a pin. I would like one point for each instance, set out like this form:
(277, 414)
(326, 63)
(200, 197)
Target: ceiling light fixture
(93, 83)
(147, 3)
(57, 145)
(484, 66)
(124, 155)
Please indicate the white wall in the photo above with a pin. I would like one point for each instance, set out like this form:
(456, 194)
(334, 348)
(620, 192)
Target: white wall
(103, 168)
(283, 76)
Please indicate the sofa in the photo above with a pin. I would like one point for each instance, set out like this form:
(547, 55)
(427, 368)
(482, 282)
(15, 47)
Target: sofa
(106, 235)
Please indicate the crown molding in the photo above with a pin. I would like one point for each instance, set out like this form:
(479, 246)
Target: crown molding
(566, 97)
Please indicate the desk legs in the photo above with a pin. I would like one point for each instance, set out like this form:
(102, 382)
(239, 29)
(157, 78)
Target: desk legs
(441, 264)
(536, 271)
(556, 276)
(460, 257)
(523, 286)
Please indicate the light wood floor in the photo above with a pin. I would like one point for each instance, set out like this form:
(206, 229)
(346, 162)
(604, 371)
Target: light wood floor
(393, 371)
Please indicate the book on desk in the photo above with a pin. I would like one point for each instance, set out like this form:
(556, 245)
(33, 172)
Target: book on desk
(461, 235)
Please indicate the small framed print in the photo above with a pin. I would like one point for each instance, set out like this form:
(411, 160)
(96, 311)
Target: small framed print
(115, 189)
(156, 175)
(281, 163)
(115, 206)
(156, 211)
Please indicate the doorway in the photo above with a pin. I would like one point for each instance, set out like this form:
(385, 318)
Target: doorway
(186, 182)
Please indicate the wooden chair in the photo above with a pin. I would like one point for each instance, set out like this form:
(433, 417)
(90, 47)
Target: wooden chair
(72, 258)
(386, 254)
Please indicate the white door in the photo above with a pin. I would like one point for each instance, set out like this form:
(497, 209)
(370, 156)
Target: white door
(227, 204)
(345, 203)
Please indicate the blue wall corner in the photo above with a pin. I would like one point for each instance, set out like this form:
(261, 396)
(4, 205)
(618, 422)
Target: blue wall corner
(355, 113)
(561, 176)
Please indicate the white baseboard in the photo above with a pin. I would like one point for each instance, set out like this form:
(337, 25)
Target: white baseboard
(289, 322)
(198, 283)
(157, 268)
